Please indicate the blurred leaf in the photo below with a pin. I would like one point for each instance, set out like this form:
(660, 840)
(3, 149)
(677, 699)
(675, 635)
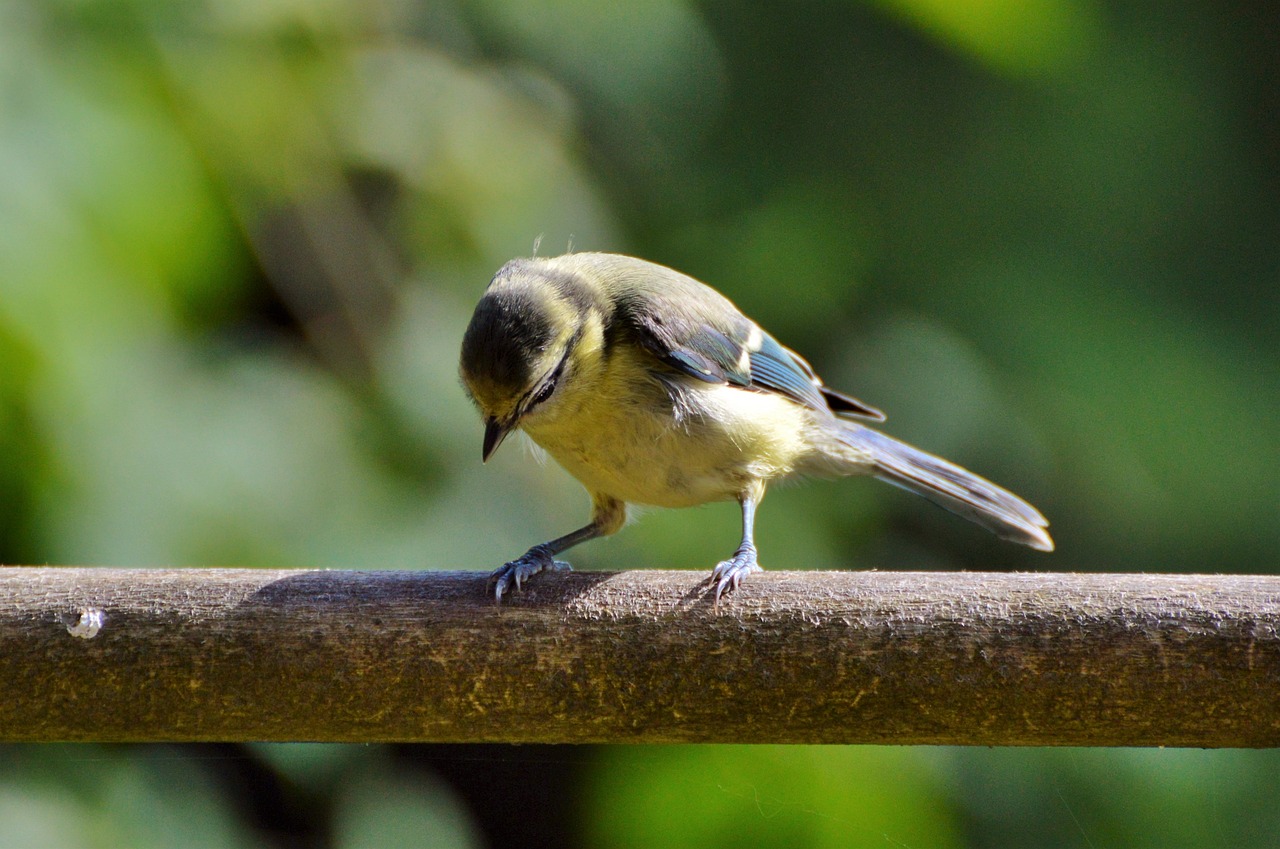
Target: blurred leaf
(97, 798)
(319, 768)
(44, 818)
(793, 263)
(500, 165)
(764, 796)
(1129, 388)
(655, 56)
(1013, 36)
(380, 809)
(1156, 798)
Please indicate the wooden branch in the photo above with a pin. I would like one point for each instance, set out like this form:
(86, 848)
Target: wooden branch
(801, 657)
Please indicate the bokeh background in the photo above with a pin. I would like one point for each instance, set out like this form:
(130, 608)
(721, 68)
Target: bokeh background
(240, 240)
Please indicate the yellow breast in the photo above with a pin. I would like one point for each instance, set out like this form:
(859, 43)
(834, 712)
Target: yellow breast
(620, 435)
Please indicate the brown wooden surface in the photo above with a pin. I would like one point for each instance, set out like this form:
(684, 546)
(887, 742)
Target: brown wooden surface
(800, 657)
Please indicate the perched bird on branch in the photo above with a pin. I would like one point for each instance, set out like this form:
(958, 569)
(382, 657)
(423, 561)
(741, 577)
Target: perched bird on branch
(650, 387)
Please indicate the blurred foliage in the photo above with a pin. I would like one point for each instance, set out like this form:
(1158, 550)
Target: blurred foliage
(241, 240)
(768, 796)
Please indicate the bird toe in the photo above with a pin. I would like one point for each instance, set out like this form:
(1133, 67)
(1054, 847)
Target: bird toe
(513, 574)
(729, 574)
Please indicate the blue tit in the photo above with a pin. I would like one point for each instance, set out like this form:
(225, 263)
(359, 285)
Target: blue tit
(650, 387)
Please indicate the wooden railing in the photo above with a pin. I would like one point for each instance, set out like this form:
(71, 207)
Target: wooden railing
(992, 659)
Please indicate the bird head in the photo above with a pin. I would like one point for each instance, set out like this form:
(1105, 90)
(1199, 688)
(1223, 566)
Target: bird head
(518, 349)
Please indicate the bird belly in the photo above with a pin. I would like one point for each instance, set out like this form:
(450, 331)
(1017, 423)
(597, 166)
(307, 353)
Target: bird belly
(640, 450)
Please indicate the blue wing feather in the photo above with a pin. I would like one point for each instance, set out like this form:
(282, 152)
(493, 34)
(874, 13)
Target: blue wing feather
(707, 339)
(695, 365)
(774, 367)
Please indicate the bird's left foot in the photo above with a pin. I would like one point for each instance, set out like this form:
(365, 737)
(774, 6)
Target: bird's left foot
(728, 574)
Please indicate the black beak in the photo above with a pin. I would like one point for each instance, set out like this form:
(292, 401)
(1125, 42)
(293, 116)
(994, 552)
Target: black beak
(494, 432)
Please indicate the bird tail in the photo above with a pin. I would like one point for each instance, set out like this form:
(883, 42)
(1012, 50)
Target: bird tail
(949, 486)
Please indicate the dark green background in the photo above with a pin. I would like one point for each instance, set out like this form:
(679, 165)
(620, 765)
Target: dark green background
(239, 241)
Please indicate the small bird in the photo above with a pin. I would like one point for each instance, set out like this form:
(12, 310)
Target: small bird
(652, 388)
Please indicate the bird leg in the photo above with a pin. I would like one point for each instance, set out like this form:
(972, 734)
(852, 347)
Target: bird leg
(728, 574)
(607, 516)
(540, 558)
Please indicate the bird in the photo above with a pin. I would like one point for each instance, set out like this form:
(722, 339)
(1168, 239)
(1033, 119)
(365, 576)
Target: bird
(651, 388)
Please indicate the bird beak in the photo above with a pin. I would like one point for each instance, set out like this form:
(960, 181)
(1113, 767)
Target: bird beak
(494, 432)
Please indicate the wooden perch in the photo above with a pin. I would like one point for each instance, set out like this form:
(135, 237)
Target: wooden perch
(800, 657)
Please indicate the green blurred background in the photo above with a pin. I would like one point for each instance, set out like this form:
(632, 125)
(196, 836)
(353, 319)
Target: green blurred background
(240, 240)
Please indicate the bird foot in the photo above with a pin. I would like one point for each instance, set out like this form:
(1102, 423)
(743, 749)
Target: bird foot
(515, 572)
(728, 574)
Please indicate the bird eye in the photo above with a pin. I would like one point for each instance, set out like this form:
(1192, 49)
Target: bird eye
(545, 392)
(548, 386)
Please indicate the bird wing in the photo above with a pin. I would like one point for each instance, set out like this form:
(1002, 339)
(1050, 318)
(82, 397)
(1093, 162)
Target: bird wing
(705, 337)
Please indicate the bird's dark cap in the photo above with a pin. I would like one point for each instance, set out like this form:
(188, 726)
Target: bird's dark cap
(502, 341)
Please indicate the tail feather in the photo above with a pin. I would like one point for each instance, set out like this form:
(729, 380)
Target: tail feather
(951, 487)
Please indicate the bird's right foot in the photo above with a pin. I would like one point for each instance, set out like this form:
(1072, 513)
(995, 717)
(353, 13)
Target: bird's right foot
(515, 572)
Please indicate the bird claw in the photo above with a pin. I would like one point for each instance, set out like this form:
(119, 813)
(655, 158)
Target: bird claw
(516, 572)
(729, 574)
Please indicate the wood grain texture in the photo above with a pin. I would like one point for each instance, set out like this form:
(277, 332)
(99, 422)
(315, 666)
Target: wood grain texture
(800, 657)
